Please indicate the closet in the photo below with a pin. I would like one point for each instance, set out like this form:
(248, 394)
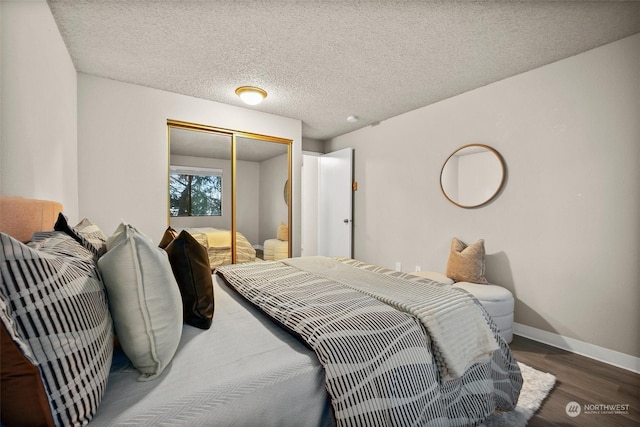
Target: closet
(229, 180)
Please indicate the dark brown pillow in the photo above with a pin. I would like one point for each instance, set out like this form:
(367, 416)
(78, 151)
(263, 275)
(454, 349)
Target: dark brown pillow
(23, 401)
(190, 264)
(167, 237)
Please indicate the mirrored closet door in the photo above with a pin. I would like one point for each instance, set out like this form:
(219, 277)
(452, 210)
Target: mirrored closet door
(225, 183)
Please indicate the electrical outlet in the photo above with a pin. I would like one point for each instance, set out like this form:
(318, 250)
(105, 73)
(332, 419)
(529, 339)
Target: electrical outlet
(398, 266)
(418, 268)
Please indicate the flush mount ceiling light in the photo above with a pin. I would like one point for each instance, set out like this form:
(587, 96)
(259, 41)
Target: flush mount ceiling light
(352, 119)
(251, 95)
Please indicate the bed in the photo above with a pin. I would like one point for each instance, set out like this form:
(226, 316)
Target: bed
(274, 355)
(218, 244)
(245, 371)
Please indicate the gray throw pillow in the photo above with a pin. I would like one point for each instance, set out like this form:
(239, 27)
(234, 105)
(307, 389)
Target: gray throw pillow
(144, 299)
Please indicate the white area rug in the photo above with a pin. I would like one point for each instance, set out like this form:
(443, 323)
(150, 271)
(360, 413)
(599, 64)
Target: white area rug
(536, 387)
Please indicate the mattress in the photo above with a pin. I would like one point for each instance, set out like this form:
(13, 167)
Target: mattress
(244, 371)
(218, 244)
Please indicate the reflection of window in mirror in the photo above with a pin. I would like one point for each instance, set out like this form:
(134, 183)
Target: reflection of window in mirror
(201, 153)
(195, 191)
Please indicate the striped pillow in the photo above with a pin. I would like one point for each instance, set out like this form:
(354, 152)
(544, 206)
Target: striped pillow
(54, 307)
(96, 240)
(86, 233)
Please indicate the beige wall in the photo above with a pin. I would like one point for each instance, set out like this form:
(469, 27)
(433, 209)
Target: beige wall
(123, 154)
(313, 145)
(248, 199)
(38, 136)
(564, 235)
(273, 209)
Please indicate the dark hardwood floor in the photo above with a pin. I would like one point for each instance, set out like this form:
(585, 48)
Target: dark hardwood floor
(582, 380)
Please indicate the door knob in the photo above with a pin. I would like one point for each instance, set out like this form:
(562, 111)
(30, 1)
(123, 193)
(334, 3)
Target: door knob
(346, 221)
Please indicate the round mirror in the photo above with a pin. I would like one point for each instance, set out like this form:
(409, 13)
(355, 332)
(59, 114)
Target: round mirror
(472, 176)
(285, 192)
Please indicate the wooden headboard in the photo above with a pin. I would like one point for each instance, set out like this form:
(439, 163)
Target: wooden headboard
(20, 217)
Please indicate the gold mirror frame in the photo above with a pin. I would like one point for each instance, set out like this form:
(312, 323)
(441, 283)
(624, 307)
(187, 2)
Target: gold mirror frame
(489, 192)
(235, 134)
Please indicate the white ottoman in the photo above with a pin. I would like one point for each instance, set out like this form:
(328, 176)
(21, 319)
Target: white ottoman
(275, 249)
(497, 300)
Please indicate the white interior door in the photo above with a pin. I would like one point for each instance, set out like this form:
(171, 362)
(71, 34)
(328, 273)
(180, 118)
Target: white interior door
(335, 203)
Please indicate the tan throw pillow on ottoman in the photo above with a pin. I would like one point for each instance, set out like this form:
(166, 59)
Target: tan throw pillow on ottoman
(466, 263)
(283, 232)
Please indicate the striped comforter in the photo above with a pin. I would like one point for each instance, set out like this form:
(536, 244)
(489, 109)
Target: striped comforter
(218, 245)
(378, 356)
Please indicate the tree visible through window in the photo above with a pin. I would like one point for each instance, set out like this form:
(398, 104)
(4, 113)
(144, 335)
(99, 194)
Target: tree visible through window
(195, 191)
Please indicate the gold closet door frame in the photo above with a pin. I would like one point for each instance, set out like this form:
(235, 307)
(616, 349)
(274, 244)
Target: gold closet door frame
(234, 135)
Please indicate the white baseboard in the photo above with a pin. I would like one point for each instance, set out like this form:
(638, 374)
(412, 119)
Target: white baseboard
(612, 357)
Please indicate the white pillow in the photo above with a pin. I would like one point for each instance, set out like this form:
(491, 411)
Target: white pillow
(144, 299)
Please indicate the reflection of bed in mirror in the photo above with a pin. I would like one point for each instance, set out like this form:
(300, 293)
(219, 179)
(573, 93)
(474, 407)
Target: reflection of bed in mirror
(278, 248)
(218, 245)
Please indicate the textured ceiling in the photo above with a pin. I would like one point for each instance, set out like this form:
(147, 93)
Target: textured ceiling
(322, 61)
